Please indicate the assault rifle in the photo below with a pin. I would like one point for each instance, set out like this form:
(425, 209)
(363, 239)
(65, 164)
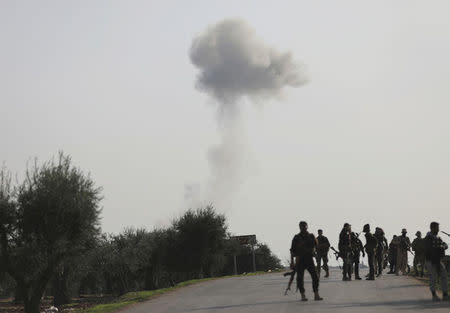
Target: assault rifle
(291, 279)
(337, 255)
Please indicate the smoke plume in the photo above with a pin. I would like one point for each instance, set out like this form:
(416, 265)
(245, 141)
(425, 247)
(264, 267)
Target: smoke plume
(233, 62)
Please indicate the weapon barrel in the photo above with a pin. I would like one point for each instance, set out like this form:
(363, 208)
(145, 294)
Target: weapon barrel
(445, 233)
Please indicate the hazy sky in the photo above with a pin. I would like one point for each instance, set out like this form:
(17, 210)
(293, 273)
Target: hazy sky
(111, 84)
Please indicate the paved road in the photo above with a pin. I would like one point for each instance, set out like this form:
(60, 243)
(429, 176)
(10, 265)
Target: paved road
(264, 294)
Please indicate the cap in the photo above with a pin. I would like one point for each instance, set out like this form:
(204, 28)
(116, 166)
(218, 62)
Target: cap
(404, 231)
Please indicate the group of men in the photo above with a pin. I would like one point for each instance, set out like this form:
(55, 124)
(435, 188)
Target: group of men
(398, 253)
(379, 253)
(429, 253)
(350, 249)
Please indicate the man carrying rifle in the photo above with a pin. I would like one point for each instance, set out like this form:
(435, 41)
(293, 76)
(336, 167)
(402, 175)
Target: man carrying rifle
(323, 247)
(345, 251)
(302, 248)
(371, 246)
(404, 245)
(381, 250)
(357, 248)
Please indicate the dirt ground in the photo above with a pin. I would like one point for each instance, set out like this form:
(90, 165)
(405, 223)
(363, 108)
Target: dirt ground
(83, 302)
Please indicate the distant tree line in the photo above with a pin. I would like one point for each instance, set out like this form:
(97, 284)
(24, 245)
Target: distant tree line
(51, 243)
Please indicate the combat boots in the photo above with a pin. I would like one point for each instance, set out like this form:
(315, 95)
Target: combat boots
(435, 297)
(304, 297)
(317, 297)
(357, 277)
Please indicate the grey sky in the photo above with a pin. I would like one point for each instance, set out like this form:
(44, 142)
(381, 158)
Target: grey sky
(235, 65)
(111, 83)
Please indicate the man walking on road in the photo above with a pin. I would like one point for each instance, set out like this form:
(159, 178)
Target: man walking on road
(434, 253)
(302, 248)
(323, 246)
(404, 245)
(371, 246)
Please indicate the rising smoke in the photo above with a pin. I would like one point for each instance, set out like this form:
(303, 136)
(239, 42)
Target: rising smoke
(233, 63)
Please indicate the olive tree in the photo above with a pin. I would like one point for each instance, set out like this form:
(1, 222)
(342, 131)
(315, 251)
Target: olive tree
(200, 240)
(46, 220)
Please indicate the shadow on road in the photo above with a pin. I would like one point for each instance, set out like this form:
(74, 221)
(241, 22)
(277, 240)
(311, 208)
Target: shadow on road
(399, 305)
(405, 286)
(221, 307)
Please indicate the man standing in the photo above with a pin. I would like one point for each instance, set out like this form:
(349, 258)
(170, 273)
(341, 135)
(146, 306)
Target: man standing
(404, 244)
(345, 251)
(434, 253)
(393, 247)
(371, 246)
(379, 254)
(302, 248)
(323, 246)
(418, 246)
(357, 248)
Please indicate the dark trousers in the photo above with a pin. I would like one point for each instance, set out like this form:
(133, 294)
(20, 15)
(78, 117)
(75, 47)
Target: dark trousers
(347, 267)
(371, 259)
(419, 258)
(303, 264)
(356, 268)
(356, 265)
(393, 262)
(379, 257)
(319, 259)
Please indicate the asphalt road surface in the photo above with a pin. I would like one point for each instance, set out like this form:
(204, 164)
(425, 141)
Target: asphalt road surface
(265, 294)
